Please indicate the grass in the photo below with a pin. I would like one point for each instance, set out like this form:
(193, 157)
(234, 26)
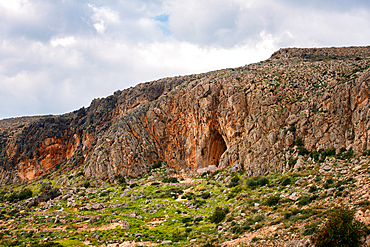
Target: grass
(164, 211)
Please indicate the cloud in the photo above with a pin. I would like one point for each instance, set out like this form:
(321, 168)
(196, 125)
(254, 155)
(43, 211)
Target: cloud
(102, 17)
(56, 56)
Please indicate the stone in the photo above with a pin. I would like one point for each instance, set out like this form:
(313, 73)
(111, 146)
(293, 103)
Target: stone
(125, 225)
(330, 191)
(300, 182)
(299, 164)
(326, 168)
(166, 242)
(294, 196)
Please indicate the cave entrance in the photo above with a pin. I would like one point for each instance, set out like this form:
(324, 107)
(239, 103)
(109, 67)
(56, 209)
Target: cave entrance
(216, 148)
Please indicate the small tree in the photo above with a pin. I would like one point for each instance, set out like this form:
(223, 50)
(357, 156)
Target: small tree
(340, 230)
(219, 215)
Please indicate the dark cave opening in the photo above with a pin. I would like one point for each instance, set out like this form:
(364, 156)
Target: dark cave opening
(216, 148)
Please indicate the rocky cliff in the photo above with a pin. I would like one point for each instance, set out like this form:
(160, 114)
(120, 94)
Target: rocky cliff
(258, 116)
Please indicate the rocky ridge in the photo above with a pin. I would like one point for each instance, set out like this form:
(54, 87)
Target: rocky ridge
(258, 117)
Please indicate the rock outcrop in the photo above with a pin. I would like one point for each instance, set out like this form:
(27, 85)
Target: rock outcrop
(252, 116)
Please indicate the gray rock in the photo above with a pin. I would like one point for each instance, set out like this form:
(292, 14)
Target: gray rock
(330, 191)
(125, 226)
(299, 182)
(166, 242)
(294, 196)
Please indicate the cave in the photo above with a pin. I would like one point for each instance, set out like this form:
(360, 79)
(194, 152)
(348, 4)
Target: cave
(216, 148)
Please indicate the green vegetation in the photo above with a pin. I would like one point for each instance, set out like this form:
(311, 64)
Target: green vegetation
(340, 230)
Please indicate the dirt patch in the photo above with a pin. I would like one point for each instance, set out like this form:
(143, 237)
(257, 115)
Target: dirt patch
(99, 228)
(247, 238)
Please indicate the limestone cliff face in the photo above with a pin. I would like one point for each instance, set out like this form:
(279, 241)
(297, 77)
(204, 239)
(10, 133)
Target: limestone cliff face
(253, 115)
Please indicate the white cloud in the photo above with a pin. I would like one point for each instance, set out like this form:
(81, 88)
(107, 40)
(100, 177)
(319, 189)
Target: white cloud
(66, 41)
(57, 56)
(102, 17)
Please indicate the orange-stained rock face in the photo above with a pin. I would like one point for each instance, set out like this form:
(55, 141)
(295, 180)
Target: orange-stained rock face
(253, 115)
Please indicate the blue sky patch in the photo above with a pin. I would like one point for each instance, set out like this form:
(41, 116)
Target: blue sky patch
(162, 18)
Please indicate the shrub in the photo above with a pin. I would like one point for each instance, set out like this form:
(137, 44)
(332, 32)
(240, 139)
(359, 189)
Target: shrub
(234, 181)
(286, 181)
(305, 200)
(344, 154)
(315, 155)
(177, 236)
(157, 165)
(292, 129)
(25, 194)
(262, 181)
(312, 189)
(87, 184)
(47, 244)
(186, 220)
(292, 161)
(170, 180)
(120, 179)
(251, 183)
(309, 229)
(188, 196)
(272, 200)
(133, 185)
(340, 230)
(302, 151)
(259, 218)
(287, 215)
(219, 214)
(205, 195)
(299, 142)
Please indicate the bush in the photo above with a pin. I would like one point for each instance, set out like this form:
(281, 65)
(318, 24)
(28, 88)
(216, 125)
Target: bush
(309, 229)
(25, 194)
(158, 165)
(292, 162)
(47, 244)
(251, 183)
(302, 151)
(305, 200)
(286, 181)
(299, 142)
(133, 185)
(287, 215)
(177, 236)
(219, 215)
(170, 180)
(344, 154)
(312, 189)
(340, 230)
(188, 196)
(234, 181)
(272, 200)
(205, 195)
(87, 184)
(262, 181)
(315, 155)
(120, 179)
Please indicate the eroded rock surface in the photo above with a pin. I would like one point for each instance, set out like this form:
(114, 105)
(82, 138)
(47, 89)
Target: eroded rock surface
(250, 115)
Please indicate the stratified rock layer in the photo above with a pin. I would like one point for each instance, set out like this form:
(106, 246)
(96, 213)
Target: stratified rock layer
(252, 115)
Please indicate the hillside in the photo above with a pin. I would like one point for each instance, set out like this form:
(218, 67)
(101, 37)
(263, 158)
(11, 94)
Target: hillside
(252, 115)
(260, 155)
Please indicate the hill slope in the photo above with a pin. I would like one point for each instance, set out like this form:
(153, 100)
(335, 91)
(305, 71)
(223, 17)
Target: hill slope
(259, 117)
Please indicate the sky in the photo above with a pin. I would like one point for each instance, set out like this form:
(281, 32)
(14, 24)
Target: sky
(57, 56)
